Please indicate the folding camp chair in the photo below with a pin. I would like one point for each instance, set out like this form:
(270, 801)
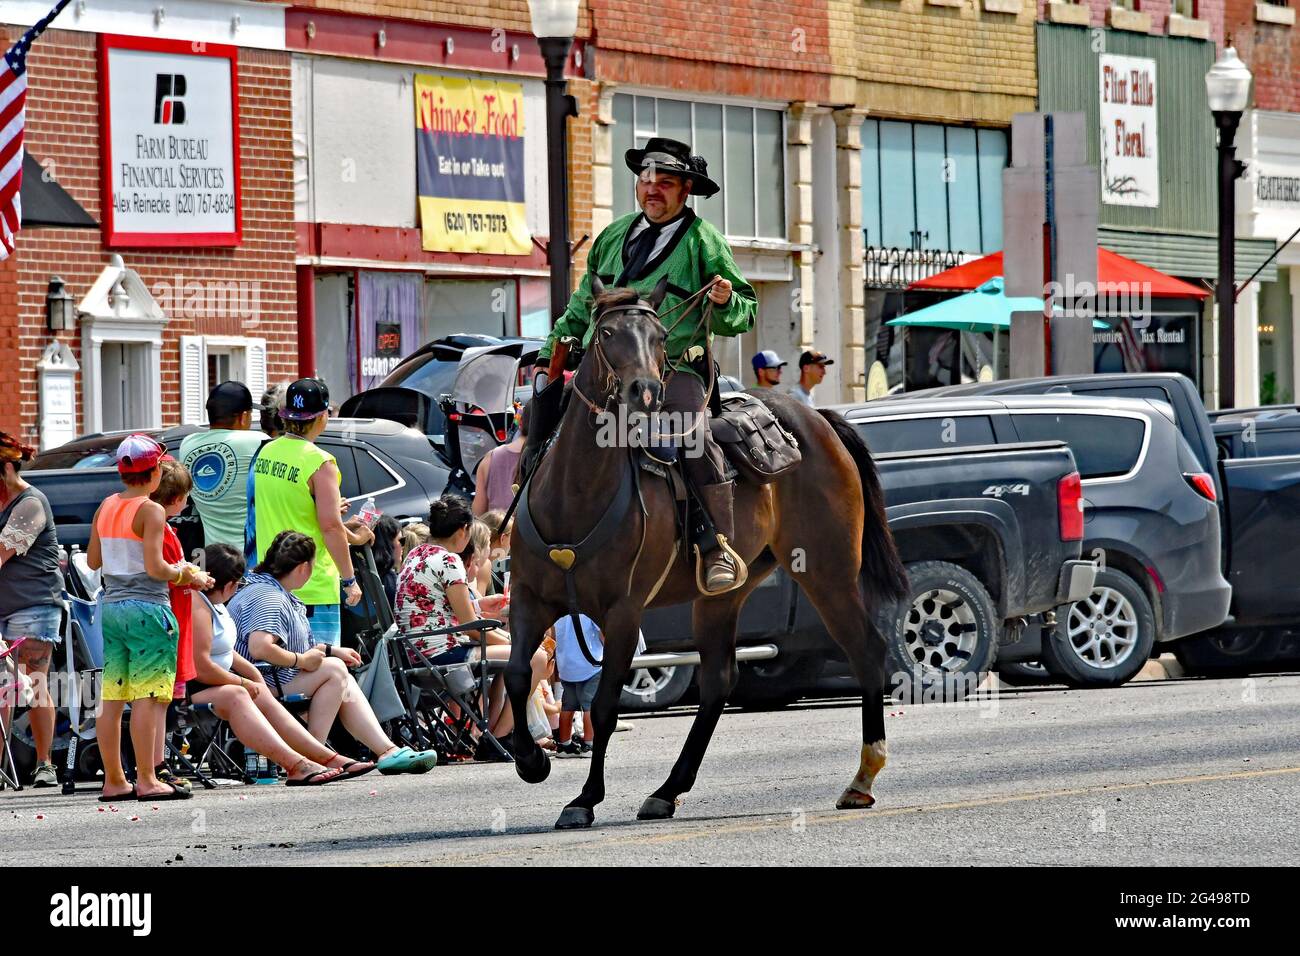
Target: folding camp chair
(9, 688)
(213, 737)
(443, 700)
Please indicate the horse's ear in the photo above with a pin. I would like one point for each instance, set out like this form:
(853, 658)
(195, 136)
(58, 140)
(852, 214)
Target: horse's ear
(657, 296)
(597, 287)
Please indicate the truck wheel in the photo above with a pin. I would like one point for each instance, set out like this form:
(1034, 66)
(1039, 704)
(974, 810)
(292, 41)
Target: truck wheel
(1105, 639)
(1023, 674)
(1226, 652)
(942, 637)
(654, 688)
(779, 682)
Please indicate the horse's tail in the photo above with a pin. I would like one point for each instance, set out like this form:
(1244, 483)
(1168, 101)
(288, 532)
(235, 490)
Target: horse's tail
(883, 574)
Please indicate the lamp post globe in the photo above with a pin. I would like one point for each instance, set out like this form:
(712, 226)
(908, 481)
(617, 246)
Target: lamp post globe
(1227, 87)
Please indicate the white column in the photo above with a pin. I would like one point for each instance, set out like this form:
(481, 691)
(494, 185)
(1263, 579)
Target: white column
(602, 161)
(1246, 347)
(799, 158)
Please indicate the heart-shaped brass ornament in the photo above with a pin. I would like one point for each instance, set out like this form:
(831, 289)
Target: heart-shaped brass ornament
(564, 557)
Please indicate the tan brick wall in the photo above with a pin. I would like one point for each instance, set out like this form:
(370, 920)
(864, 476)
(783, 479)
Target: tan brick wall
(917, 59)
(63, 130)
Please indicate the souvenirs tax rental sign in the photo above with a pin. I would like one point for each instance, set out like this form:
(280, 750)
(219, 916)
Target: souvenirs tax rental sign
(1130, 168)
(469, 136)
(169, 120)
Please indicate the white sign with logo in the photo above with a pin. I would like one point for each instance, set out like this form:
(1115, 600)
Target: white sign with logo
(170, 143)
(1130, 168)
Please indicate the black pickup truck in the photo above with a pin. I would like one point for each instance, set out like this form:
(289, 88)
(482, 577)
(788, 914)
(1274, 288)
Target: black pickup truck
(1253, 456)
(990, 535)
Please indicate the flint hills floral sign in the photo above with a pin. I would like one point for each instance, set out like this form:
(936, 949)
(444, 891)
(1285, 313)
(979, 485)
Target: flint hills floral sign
(1130, 167)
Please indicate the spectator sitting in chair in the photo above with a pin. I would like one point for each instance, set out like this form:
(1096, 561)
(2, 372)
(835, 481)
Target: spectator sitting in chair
(31, 591)
(238, 694)
(275, 633)
(433, 592)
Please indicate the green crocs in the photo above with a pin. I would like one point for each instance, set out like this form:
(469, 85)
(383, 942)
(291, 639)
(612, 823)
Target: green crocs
(406, 760)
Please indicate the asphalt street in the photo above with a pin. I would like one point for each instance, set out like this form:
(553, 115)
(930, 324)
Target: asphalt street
(1183, 772)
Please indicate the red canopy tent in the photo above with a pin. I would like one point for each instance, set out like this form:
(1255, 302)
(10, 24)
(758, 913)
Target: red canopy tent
(1115, 275)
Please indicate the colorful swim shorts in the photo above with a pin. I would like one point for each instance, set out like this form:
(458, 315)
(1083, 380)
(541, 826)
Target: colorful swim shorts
(139, 650)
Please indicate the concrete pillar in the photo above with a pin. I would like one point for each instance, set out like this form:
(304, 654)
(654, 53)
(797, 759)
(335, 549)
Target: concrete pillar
(799, 157)
(602, 160)
(1246, 355)
(848, 171)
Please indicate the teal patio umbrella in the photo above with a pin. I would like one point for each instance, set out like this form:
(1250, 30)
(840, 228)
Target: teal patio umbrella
(986, 309)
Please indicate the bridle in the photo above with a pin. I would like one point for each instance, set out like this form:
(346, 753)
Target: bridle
(610, 383)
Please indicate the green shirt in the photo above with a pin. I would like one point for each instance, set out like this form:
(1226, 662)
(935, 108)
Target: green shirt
(694, 255)
(218, 461)
(285, 503)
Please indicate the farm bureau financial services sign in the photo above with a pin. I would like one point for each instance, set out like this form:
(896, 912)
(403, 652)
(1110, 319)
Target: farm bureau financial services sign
(1130, 170)
(171, 143)
(469, 137)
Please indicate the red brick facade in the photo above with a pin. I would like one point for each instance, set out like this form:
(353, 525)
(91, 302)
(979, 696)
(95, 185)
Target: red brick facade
(63, 133)
(1272, 51)
(1209, 10)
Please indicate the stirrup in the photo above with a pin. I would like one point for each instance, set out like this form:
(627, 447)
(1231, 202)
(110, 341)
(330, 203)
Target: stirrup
(742, 571)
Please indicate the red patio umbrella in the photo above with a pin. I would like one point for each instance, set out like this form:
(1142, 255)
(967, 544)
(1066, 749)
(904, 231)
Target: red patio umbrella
(1115, 274)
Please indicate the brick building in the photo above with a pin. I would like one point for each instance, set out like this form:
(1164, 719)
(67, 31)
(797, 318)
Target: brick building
(182, 309)
(1267, 38)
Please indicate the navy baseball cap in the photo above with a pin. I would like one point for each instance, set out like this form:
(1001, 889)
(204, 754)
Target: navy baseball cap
(815, 358)
(228, 400)
(767, 359)
(305, 399)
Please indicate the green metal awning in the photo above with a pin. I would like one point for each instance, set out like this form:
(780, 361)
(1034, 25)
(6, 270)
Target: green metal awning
(1188, 255)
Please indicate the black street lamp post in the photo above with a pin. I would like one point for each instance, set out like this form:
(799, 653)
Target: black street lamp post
(1228, 86)
(554, 23)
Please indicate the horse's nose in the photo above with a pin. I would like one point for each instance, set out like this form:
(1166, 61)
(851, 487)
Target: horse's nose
(644, 394)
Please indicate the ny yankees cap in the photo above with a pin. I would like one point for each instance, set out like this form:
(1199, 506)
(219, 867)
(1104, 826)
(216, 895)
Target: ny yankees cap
(304, 399)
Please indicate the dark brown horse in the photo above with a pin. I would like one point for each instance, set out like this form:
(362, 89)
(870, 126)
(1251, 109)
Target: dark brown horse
(824, 522)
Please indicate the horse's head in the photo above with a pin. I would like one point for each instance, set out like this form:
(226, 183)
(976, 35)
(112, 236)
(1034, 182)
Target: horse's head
(627, 345)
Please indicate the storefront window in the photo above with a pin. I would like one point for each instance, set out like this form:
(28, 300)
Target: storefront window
(1276, 342)
(744, 147)
(483, 306)
(926, 186)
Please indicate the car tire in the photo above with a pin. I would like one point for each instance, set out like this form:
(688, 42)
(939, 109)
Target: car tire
(778, 682)
(655, 688)
(1104, 639)
(942, 636)
(1223, 653)
(1024, 674)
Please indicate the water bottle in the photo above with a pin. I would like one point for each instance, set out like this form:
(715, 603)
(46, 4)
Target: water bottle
(369, 512)
(266, 772)
(250, 763)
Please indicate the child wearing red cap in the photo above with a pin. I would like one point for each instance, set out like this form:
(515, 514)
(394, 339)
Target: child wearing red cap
(139, 628)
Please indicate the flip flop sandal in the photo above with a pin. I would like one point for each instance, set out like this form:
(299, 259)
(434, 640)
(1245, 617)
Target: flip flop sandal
(119, 797)
(315, 779)
(176, 794)
(355, 768)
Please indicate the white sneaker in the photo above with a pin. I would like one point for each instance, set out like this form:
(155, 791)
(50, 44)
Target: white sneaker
(621, 726)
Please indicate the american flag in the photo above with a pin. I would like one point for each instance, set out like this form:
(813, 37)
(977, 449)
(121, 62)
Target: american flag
(13, 98)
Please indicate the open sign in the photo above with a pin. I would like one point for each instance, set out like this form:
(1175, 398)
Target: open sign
(388, 340)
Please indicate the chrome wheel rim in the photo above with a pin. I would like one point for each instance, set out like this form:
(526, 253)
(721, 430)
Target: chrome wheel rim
(649, 682)
(1102, 629)
(940, 632)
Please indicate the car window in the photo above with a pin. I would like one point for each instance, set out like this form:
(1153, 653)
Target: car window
(916, 434)
(1153, 392)
(347, 465)
(371, 475)
(1277, 441)
(1104, 445)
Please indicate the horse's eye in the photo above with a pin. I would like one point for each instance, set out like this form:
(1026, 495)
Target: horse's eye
(606, 333)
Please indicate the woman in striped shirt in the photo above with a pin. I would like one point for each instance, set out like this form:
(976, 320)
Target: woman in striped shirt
(274, 633)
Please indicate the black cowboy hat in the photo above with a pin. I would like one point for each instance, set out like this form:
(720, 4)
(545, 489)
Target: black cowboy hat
(672, 156)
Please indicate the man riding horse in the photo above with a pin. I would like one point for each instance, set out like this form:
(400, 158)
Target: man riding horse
(668, 241)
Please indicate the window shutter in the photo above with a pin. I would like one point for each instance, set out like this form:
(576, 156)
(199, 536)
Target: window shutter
(255, 367)
(193, 370)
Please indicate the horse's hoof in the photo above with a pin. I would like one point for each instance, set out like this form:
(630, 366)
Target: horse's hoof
(656, 808)
(575, 818)
(852, 799)
(534, 768)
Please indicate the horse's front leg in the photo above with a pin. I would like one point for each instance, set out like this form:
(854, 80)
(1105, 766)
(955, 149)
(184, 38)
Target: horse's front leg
(528, 624)
(622, 625)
